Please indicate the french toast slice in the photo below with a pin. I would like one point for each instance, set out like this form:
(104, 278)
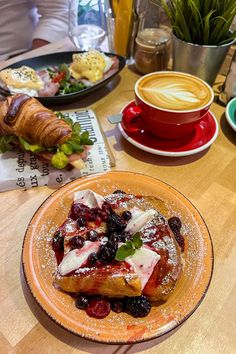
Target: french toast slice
(152, 270)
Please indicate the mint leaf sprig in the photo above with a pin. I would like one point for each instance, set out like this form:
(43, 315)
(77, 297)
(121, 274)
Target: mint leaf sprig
(129, 248)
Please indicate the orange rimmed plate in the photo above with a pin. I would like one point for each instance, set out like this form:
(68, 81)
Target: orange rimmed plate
(39, 262)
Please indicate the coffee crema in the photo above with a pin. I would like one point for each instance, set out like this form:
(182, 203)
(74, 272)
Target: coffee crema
(174, 91)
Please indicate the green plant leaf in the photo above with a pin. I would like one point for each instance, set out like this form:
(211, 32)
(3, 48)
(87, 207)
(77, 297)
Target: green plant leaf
(137, 242)
(124, 251)
(129, 248)
(59, 160)
(201, 21)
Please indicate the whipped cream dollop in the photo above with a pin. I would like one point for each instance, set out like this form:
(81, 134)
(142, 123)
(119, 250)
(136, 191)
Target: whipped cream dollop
(77, 257)
(139, 219)
(89, 198)
(143, 262)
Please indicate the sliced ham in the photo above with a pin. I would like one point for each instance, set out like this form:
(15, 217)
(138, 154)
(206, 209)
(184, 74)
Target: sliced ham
(50, 88)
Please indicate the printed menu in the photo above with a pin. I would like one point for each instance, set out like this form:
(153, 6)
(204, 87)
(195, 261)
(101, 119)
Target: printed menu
(24, 170)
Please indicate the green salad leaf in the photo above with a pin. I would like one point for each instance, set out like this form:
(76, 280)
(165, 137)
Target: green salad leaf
(29, 147)
(59, 160)
(65, 69)
(6, 143)
(129, 248)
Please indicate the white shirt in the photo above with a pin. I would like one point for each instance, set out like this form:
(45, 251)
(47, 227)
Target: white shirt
(23, 20)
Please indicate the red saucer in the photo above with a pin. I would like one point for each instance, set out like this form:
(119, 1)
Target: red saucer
(198, 140)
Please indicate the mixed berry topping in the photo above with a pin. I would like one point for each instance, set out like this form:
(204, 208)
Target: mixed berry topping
(180, 240)
(98, 308)
(126, 215)
(58, 242)
(107, 252)
(175, 225)
(92, 235)
(117, 306)
(92, 259)
(118, 191)
(138, 306)
(76, 242)
(81, 301)
(115, 223)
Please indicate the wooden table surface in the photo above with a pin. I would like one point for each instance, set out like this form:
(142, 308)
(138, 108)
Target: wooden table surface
(207, 179)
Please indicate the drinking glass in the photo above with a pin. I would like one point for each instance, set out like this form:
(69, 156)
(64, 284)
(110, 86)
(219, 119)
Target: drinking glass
(86, 23)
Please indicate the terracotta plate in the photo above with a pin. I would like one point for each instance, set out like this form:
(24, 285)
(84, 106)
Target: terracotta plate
(39, 263)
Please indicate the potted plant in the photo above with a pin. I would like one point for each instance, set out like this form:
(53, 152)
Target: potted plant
(201, 34)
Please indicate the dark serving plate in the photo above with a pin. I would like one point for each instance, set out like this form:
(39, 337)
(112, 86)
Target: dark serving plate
(43, 61)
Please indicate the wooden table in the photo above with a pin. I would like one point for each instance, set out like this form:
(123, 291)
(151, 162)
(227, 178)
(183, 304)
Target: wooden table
(207, 179)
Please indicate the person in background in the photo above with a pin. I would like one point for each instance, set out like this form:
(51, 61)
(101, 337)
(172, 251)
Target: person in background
(29, 24)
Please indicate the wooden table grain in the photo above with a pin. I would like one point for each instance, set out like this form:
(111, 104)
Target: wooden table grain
(208, 179)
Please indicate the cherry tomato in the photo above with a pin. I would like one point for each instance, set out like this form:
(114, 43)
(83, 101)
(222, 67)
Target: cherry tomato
(60, 76)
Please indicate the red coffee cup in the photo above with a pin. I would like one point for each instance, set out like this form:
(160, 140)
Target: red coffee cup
(169, 104)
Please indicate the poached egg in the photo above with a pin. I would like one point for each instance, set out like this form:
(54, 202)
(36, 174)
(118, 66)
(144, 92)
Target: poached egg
(90, 65)
(21, 80)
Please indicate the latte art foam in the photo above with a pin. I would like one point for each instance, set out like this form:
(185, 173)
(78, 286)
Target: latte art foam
(174, 91)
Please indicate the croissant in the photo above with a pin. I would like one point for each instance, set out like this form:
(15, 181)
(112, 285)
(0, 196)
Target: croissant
(27, 118)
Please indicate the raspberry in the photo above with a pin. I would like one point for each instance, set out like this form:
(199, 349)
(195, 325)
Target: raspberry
(98, 308)
(175, 224)
(138, 306)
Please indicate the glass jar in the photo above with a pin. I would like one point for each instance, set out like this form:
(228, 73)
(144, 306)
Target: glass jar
(152, 50)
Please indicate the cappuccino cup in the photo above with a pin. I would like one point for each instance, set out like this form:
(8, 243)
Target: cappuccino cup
(168, 104)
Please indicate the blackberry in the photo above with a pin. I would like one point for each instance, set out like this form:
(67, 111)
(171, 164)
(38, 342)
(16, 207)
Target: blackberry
(107, 252)
(180, 240)
(175, 224)
(76, 242)
(118, 191)
(92, 258)
(121, 236)
(58, 242)
(138, 306)
(92, 235)
(81, 221)
(117, 306)
(126, 215)
(81, 301)
(115, 223)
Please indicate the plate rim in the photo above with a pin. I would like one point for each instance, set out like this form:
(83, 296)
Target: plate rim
(228, 117)
(119, 342)
(169, 153)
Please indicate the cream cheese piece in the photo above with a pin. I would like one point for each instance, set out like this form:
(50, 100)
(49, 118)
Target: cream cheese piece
(143, 263)
(89, 198)
(139, 219)
(75, 258)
